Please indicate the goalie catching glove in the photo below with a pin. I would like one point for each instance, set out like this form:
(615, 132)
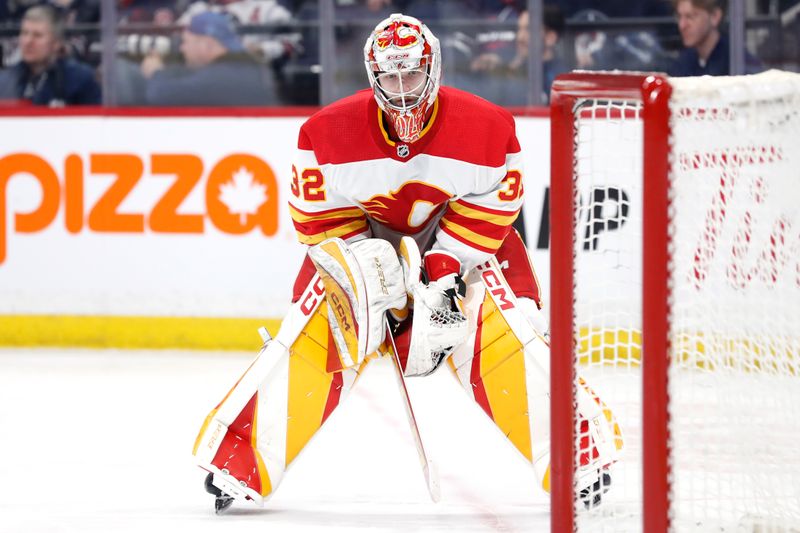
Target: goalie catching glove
(439, 324)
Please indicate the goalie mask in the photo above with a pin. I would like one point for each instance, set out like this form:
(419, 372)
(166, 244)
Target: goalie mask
(403, 63)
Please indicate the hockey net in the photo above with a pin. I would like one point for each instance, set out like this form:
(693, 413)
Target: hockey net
(676, 295)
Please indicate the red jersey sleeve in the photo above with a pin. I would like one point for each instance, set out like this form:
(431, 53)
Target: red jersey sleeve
(318, 211)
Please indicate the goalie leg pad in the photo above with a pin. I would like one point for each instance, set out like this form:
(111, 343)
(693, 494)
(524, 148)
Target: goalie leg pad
(362, 281)
(505, 367)
(295, 383)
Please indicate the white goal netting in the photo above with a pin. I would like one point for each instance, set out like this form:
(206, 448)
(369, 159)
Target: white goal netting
(734, 306)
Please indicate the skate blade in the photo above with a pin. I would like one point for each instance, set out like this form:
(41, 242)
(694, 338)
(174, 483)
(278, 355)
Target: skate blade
(222, 504)
(222, 500)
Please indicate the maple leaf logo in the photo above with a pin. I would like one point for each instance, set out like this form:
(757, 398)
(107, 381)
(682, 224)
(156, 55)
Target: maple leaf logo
(242, 195)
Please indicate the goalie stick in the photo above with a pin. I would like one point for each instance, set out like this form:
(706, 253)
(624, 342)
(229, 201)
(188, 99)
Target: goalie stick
(428, 467)
(365, 281)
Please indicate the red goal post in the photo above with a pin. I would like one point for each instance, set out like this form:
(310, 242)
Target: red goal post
(638, 295)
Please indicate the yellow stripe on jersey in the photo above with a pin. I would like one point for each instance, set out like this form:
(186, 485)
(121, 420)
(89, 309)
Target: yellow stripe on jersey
(347, 212)
(342, 231)
(484, 216)
(471, 236)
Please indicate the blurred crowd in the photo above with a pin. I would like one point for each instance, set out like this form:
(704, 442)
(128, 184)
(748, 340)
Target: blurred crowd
(267, 52)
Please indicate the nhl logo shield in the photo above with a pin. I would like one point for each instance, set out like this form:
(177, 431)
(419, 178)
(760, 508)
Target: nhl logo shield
(402, 150)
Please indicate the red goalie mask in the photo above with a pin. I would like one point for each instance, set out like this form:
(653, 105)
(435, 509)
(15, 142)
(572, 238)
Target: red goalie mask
(403, 63)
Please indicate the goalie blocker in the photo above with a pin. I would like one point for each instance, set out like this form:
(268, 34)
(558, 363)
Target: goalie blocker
(299, 378)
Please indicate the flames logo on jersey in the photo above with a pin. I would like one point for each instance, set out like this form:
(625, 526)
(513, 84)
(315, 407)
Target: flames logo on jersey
(408, 209)
(399, 34)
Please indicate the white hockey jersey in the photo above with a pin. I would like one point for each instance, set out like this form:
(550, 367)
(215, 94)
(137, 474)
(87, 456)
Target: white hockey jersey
(458, 188)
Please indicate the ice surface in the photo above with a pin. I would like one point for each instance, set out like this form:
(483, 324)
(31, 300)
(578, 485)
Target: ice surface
(100, 441)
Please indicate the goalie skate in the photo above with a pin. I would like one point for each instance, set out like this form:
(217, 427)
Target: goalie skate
(222, 500)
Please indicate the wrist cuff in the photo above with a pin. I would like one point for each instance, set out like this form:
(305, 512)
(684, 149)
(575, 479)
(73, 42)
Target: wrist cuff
(439, 264)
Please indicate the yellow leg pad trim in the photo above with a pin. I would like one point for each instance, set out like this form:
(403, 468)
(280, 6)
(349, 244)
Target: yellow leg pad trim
(203, 430)
(502, 370)
(312, 343)
(309, 384)
(266, 483)
(546, 479)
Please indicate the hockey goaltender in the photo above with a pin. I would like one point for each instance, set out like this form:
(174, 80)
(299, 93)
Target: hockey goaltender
(405, 194)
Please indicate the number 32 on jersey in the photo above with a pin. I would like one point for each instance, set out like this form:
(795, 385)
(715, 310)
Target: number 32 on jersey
(513, 187)
(310, 185)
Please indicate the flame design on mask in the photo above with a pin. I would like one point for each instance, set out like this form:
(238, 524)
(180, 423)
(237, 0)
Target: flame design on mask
(399, 34)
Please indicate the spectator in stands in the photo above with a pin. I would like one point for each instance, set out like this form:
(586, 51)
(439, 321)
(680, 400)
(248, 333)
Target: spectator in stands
(79, 11)
(508, 83)
(707, 49)
(603, 48)
(350, 35)
(12, 10)
(617, 8)
(552, 59)
(8, 86)
(159, 12)
(275, 46)
(71, 11)
(44, 76)
(217, 72)
(353, 18)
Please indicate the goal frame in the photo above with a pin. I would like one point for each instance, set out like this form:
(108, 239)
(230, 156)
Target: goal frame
(653, 91)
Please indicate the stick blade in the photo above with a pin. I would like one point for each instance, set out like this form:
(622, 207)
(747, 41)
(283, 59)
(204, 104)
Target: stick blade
(432, 479)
